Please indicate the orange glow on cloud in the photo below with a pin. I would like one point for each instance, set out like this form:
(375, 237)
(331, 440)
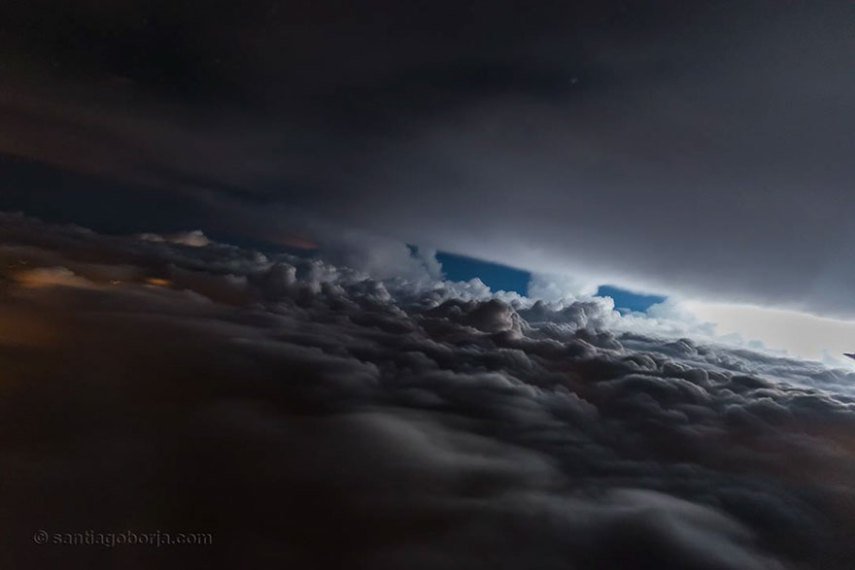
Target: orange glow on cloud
(50, 277)
(297, 242)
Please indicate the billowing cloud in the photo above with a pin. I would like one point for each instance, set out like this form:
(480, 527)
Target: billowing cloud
(308, 415)
(555, 288)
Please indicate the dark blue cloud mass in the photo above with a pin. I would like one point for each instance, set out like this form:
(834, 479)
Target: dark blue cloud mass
(310, 416)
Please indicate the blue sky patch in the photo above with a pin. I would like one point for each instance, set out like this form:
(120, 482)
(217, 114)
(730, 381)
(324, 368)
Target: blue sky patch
(503, 278)
(497, 277)
(627, 301)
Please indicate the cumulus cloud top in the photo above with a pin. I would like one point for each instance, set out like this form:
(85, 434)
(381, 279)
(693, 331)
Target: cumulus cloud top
(310, 416)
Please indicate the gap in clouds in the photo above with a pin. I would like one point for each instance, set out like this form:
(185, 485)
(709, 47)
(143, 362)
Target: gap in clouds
(501, 277)
(627, 301)
(798, 334)
(496, 276)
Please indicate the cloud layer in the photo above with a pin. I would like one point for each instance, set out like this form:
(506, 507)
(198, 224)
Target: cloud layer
(309, 416)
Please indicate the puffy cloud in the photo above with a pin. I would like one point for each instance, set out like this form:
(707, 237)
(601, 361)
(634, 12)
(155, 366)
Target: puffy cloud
(309, 415)
(557, 288)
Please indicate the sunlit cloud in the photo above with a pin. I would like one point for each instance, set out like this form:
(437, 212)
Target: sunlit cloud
(798, 333)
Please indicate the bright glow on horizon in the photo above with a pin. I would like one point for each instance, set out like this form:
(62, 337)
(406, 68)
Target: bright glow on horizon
(800, 334)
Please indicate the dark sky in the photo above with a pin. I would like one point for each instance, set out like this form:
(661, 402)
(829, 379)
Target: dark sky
(695, 147)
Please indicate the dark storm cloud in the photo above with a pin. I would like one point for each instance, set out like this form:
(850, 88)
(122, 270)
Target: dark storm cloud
(643, 142)
(310, 416)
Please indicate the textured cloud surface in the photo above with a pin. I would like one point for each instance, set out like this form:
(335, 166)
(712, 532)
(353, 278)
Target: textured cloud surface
(311, 417)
